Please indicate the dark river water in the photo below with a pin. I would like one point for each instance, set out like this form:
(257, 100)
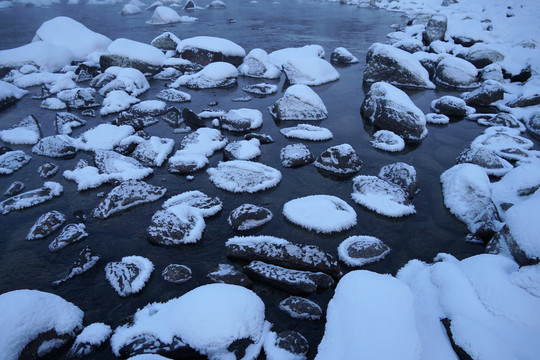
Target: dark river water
(266, 25)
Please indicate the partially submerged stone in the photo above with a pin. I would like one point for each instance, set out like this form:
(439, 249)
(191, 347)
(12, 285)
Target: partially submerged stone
(227, 274)
(65, 122)
(239, 120)
(388, 141)
(295, 155)
(451, 106)
(183, 225)
(456, 73)
(207, 206)
(488, 92)
(307, 132)
(130, 275)
(242, 150)
(207, 49)
(12, 161)
(248, 216)
(213, 75)
(257, 64)
(485, 158)
(14, 188)
(46, 224)
(27, 131)
(402, 175)
(48, 170)
(84, 262)
(31, 198)
(362, 250)
(301, 308)
(70, 234)
(244, 176)
(56, 146)
(342, 56)
(299, 103)
(339, 160)
(176, 274)
(91, 338)
(261, 89)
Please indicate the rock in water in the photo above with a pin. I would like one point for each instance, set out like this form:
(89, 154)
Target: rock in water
(242, 150)
(46, 225)
(56, 146)
(456, 73)
(293, 281)
(339, 160)
(295, 155)
(309, 70)
(451, 106)
(25, 132)
(389, 108)
(70, 234)
(388, 141)
(92, 337)
(248, 216)
(206, 205)
(381, 196)
(301, 308)
(244, 176)
(402, 175)
(240, 120)
(342, 56)
(489, 92)
(361, 250)
(486, 159)
(299, 103)
(64, 123)
(281, 252)
(307, 132)
(181, 224)
(130, 275)
(213, 75)
(31, 198)
(12, 161)
(154, 151)
(288, 344)
(13, 189)
(227, 274)
(206, 49)
(257, 64)
(261, 89)
(85, 261)
(48, 170)
(173, 95)
(176, 274)
(166, 41)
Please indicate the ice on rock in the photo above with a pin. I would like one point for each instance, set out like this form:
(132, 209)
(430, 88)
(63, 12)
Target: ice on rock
(173, 95)
(56, 146)
(207, 319)
(281, 252)
(301, 308)
(339, 160)
(9, 94)
(128, 194)
(381, 196)
(84, 262)
(176, 274)
(362, 250)
(46, 225)
(12, 161)
(64, 122)
(164, 15)
(389, 108)
(307, 132)
(25, 132)
(206, 205)
(249, 216)
(116, 101)
(70, 234)
(130, 9)
(46, 56)
(451, 106)
(53, 104)
(78, 98)
(467, 194)
(48, 170)
(130, 275)
(48, 191)
(242, 150)
(320, 213)
(395, 66)
(262, 89)
(244, 176)
(309, 71)
(241, 120)
(207, 49)
(213, 75)
(363, 298)
(92, 337)
(24, 321)
(103, 137)
(486, 159)
(299, 103)
(280, 57)
(257, 64)
(295, 155)
(138, 51)
(388, 141)
(154, 151)
(456, 73)
(342, 56)
(130, 80)
(176, 225)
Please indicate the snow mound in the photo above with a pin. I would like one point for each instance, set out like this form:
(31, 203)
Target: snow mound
(213, 75)
(280, 57)
(257, 64)
(210, 43)
(522, 222)
(244, 176)
(307, 132)
(25, 132)
(103, 137)
(46, 56)
(301, 103)
(164, 15)
(309, 71)
(388, 141)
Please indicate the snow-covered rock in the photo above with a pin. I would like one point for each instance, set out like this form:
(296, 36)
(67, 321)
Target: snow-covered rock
(248, 216)
(166, 41)
(402, 175)
(130, 275)
(435, 28)
(142, 114)
(295, 155)
(92, 337)
(307, 132)
(320, 213)
(134, 54)
(25, 132)
(342, 56)
(395, 66)
(180, 224)
(205, 204)
(46, 224)
(309, 71)
(9, 94)
(154, 151)
(389, 108)
(130, 80)
(257, 64)
(14, 188)
(262, 89)
(227, 274)
(299, 103)
(339, 160)
(242, 150)
(456, 73)
(388, 141)
(500, 119)
(240, 120)
(103, 137)
(130, 9)
(173, 95)
(451, 106)
(214, 75)
(84, 262)
(244, 176)
(64, 122)
(505, 142)
(523, 227)
(70, 234)
(362, 250)
(48, 191)
(164, 15)
(437, 119)
(207, 49)
(12, 161)
(281, 56)
(56, 146)
(46, 56)
(286, 345)
(488, 92)
(300, 308)
(176, 273)
(486, 159)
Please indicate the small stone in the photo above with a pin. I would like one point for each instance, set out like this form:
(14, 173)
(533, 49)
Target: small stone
(70, 234)
(176, 274)
(13, 189)
(249, 216)
(227, 274)
(46, 225)
(301, 308)
(48, 170)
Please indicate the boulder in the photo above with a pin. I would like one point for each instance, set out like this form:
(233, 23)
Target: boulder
(46, 224)
(129, 276)
(240, 120)
(249, 216)
(56, 146)
(64, 122)
(244, 176)
(395, 66)
(263, 138)
(361, 250)
(295, 155)
(206, 49)
(48, 191)
(164, 15)
(402, 175)
(311, 70)
(451, 106)
(142, 114)
(227, 274)
(89, 340)
(482, 55)
(213, 75)
(130, 80)
(10, 94)
(78, 98)
(183, 226)
(176, 274)
(456, 73)
(173, 95)
(242, 150)
(84, 262)
(389, 108)
(25, 132)
(488, 92)
(525, 101)
(11, 161)
(437, 119)
(132, 54)
(289, 343)
(301, 308)
(500, 119)
(205, 204)
(299, 103)
(339, 160)
(533, 124)
(307, 132)
(261, 89)
(342, 56)
(70, 234)
(486, 159)
(435, 28)
(257, 64)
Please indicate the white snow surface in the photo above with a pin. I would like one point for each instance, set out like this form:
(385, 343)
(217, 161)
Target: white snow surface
(252, 62)
(23, 319)
(523, 176)
(280, 57)
(189, 214)
(244, 149)
(211, 43)
(130, 9)
(94, 334)
(522, 221)
(164, 15)
(321, 213)
(66, 32)
(254, 116)
(137, 51)
(307, 132)
(46, 56)
(309, 71)
(208, 319)
(20, 136)
(131, 80)
(399, 97)
(244, 176)
(116, 101)
(103, 137)
(367, 310)
(210, 76)
(8, 90)
(193, 198)
(305, 94)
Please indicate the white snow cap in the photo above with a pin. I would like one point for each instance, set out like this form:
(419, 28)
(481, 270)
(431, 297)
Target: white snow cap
(211, 43)
(306, 95)
(522, 221)
(46, 56)
(137, 50)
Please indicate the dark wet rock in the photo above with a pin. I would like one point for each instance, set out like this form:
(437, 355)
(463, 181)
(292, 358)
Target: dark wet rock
(88, 112)
(108, 60)
(283, 253)
(84, 262)
(192, 119)
(31, 198)
(70, 234)
(150, 344)
(89, 340)
(46, 225)
(299, 103)
(248, 216)
(524, 101)
(167, 229)
(295, 155)
(130, 275)
(86, 72)
(395, 66)
(505, 239)
(45, 93)
(217, 4)
(261, 89)
(202, 56)
(173, 95)
(79, 98)
(241, 120)
(206, 205)
(166, 41)
(64, 122)
(342, 56)
(451, 106)
(460, 352)
(435, 28)
(292, 342)
(402, 175)
(13, 189)
(29, 126)
(456, 73)
(128, 146)
(533, 124)
(5, 149)
(293, 281)
(339, 160)
(12, 161)
(360, 250)
(173, 117)
(488, 160)
(127, 195)
(48, 170)
(190, 5)
(263, 138)
(227, 274)
(492, 72)
(465, 41)
(488, 92)
(176, 274)
(301, 308)
(523, 75)
(56, 146)
(154, 151)
(388, 108)
(102, 80)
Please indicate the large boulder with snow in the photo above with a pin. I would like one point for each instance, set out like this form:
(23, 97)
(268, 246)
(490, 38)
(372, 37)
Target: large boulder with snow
(389, 108)
(166, 41)
(482, 55)
(488, 92)
(402, 175)
(244, 176)
(533, 124)
(257, 64)
(299, 103)
(342, 56)
(524, 228)
(207, 49)
(164, 15)
(46, 56)
(395, 66)
(34, 323)
(213, 75)
(309, 71)
(207, 319)
(486, 159)
(456, 73)
(435, 28)
(451, 106)
(129, 53)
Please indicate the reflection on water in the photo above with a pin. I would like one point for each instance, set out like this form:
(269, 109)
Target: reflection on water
(268, 26)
